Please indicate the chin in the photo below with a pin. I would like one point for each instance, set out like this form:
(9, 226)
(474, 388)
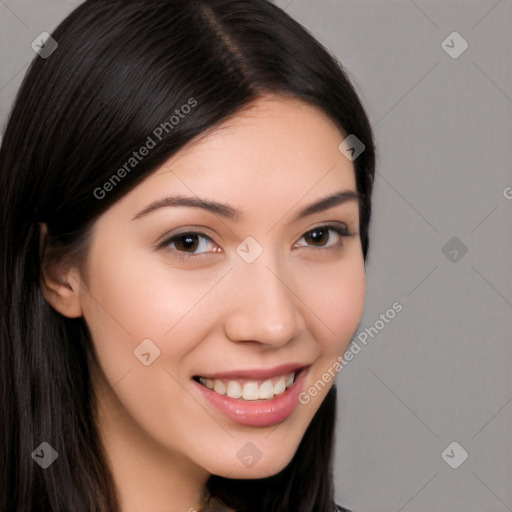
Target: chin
(261, 469)
(255, 456)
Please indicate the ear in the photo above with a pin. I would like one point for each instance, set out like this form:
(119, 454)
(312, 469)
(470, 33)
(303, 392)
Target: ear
(60, 283)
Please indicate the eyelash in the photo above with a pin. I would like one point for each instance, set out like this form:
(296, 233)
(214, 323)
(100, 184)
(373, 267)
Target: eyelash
(342, 231)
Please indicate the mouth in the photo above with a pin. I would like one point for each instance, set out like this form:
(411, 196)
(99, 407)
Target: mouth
(251, 389)
(254, 398)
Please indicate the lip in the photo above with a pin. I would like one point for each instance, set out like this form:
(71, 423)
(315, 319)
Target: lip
(256, 373)
(258, 413)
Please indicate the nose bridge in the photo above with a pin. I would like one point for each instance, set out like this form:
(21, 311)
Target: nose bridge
(262, 307)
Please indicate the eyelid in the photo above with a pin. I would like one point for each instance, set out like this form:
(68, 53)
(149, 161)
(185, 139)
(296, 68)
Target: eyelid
(196, 230)
(333, 224)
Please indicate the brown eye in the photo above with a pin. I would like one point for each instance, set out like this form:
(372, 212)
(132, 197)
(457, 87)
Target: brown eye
(189, 244)
(318, 236)
(186, 242)
(323, 237)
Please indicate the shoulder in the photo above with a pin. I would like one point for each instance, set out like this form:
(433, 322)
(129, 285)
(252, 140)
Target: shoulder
(339, 508)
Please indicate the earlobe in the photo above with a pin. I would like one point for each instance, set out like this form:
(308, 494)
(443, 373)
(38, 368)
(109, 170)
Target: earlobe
(60, 284)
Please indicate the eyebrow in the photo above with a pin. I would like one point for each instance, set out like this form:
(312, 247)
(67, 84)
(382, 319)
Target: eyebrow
(231, 213)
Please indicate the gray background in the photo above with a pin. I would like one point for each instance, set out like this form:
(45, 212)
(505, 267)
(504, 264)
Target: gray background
(440, 371)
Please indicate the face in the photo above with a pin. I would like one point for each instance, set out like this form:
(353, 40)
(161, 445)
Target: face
(236, 296)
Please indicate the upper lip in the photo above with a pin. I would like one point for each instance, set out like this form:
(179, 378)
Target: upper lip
(256, 373)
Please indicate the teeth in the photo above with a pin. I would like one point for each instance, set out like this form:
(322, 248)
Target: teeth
(219, 387)
(250, 390)
(267, 390)
(280, 386)
(234, 390)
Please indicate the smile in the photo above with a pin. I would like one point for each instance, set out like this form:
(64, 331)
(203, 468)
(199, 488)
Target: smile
(255, 398)
(250, 390)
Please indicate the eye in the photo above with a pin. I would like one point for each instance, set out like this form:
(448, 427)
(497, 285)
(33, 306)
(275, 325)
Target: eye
(321, 237)
(189, 244)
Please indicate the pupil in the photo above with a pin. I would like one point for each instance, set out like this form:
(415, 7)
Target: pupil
(313, 236)
(189, 242)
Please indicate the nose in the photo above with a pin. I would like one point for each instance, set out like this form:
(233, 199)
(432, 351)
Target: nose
(262, 305)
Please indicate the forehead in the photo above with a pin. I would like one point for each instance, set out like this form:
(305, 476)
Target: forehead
(272, 140)
(274, 156)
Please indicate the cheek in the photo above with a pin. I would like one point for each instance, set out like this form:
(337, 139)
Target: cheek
(134, 297)
(133, 301)
(126, 304)
(336, 297)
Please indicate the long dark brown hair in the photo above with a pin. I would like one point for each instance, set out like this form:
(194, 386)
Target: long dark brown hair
(123, 67)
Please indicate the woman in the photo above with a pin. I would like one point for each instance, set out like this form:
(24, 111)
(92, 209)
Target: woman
(186, 191)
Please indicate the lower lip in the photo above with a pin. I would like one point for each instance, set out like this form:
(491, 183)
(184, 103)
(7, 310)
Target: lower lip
(258, 413)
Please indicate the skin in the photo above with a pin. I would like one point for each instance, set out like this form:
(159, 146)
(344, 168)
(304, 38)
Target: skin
(300, 301)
